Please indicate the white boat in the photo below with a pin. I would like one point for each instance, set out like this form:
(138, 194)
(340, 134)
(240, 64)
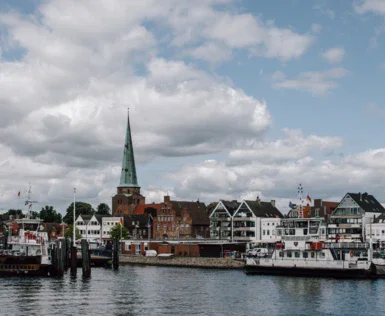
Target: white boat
(305, 252)
(28, 253)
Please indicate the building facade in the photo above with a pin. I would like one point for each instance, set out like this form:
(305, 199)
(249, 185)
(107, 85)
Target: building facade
(221, 219)
(349, 220)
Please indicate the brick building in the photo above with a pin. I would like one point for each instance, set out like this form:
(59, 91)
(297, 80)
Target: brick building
(181, 219)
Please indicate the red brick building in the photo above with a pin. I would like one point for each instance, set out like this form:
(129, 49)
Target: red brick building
(181, 219)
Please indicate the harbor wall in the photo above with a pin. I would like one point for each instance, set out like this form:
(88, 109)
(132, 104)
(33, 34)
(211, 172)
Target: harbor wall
(208, 263)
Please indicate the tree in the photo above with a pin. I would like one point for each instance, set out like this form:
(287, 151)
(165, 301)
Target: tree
(210, 207)
(103, 209)
(49, 215)
(115, 232)
(81, 208)
(69, 233)
(15, 213)
(34, 215)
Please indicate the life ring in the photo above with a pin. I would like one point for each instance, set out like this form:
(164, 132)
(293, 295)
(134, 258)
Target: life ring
(351, 254)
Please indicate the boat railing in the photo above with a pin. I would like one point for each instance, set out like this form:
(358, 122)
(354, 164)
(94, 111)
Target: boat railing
(346, 245)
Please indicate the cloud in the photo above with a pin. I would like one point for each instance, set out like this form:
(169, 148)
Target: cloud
(315, 82)
(373, 6)
(334, 55)
(64, 100)
(325, 11)
(375, 110)
(261, 171)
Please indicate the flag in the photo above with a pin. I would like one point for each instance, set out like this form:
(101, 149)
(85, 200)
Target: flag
(291, 205)
(18, 194)
(121, 221)
(308, 198)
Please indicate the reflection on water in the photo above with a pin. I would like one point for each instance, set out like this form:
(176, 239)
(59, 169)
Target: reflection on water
(139, 290)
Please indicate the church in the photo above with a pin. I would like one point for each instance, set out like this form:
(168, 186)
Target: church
(167, 219)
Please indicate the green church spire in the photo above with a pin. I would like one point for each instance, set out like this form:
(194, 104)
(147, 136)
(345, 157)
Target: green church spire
(128, 177)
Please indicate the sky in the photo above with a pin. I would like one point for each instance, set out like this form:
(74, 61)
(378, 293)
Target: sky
(229, 99)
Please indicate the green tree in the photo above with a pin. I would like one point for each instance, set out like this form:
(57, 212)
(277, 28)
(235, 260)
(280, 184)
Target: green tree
(118, 232)
(69, 233)
(49, 215)
(103, 209)
(15, 213)
(81, 208)
(210, 207)
(34, 215)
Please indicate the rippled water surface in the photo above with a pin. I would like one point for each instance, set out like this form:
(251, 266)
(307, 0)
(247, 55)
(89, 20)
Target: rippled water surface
(135, 290)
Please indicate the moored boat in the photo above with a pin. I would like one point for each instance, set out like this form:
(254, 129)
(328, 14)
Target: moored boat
(304, 252)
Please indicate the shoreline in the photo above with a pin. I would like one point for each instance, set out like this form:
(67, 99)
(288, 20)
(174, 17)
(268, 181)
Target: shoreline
(185, 262)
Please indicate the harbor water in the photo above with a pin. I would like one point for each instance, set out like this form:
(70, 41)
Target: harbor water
(149, 290)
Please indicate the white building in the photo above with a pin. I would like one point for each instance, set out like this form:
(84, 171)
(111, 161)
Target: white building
(107, 224)
(350, 219)
(221, 219)
(90, 227)
(255, 222)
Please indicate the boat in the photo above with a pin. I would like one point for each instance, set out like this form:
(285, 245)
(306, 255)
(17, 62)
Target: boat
(304, 251)
(29, 252)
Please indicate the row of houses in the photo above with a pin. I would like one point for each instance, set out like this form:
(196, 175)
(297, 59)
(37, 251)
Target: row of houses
(357, 217)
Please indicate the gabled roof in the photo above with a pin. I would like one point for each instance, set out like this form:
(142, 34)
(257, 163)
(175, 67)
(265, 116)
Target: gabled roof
(231, 206)
(196, 209)
(367, 202)
(86, 218)
(263, 209)
(130, 221)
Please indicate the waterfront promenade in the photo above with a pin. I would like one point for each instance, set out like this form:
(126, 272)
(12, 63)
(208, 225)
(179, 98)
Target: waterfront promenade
(207, 263)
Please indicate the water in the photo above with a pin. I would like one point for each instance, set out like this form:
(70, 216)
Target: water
(137, 290)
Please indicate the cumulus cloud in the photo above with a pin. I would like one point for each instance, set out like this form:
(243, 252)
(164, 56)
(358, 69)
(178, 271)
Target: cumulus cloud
(80, 65)
(315, 82)
(334, 55)
(374, 6)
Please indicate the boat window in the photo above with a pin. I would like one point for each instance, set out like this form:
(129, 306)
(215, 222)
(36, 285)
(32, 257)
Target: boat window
(305, 231)
(312, 254)
(281, 254)
(322, 255)
(297, 254)
(305, 254)
(288, 254)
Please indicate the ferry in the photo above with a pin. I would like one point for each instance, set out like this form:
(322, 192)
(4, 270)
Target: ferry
(304, 251)
(28, 253)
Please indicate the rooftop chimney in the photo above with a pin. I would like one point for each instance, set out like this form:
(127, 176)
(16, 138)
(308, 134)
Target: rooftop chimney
(273, 202)
(258, 200)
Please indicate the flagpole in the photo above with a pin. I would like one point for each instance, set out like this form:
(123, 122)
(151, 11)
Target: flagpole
(121, 224)
(74, 235)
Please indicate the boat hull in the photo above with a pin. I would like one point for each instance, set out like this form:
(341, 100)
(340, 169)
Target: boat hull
(311, 272)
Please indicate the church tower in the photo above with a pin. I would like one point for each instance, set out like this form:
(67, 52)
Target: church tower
(128, 191)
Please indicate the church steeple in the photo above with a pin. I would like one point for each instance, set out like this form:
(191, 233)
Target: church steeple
(128, 177)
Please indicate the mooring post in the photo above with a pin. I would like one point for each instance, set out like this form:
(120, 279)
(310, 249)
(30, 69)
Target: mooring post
(60, 257)
(86, 259)
(115, 254)
(74, 260)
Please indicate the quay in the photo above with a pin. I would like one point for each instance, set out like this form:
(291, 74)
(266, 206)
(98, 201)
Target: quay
(191, 262)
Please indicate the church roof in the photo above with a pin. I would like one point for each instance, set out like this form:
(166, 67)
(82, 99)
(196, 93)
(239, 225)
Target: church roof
(128, 175)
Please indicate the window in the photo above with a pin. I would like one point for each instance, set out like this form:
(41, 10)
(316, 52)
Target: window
(312, 254)
(322, 255)
(305, 254)
(281, 254)
(289, 254)
(268, 232)
(128, 247)
(187, 225)
(264, 232)
(297, 254)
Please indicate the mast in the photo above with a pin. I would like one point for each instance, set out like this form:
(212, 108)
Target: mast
(29, 202)
(300, 198)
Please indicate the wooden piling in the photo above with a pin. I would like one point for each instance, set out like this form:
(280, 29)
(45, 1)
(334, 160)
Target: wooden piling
(115, 254)
(86, 259)
(74, 261)
(61, 257)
